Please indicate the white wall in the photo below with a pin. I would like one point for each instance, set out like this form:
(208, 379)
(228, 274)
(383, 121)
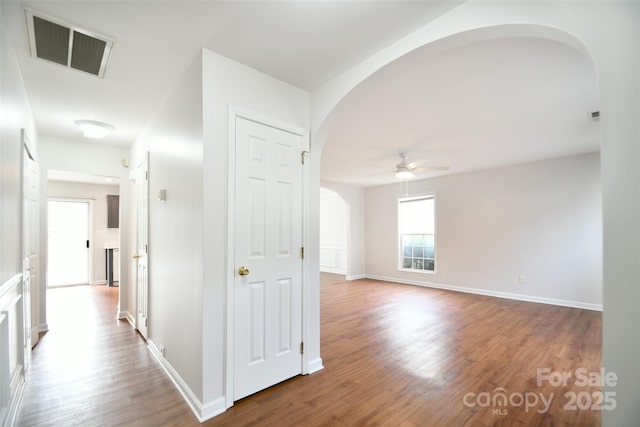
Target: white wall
(187, 142)
(101, 234)
(15, 115)
(543, 220)
(608, 31)
(354, 198)
(334, 220)
(173, 138)
(229, 83)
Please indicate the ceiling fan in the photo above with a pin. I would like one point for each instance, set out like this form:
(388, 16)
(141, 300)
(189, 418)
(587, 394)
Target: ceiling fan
(405, 169)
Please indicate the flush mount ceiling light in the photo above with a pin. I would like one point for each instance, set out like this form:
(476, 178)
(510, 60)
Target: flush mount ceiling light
(93, 129)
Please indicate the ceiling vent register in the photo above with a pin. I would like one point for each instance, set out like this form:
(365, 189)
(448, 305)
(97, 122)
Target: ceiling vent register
(53, 40)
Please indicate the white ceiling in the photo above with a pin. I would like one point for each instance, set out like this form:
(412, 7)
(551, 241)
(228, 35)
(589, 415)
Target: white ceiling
(484, 105)
(305, 43)
(488, 104)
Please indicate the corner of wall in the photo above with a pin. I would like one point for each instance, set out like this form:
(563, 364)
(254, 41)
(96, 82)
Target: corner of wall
(202, 411)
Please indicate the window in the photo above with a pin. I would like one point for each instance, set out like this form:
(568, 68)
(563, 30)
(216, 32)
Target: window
(416, 229)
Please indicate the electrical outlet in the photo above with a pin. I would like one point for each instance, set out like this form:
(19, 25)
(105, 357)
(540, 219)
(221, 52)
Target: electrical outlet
(522, 279)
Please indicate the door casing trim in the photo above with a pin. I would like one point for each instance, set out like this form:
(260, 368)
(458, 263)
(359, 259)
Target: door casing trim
(233, 113)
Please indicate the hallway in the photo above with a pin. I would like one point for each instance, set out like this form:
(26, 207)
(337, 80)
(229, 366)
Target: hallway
(91, 369)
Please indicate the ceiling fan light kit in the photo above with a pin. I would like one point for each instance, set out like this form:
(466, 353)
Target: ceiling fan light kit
(404, 174)
(405, 170)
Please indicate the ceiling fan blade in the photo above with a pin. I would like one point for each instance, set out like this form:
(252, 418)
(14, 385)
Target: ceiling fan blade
(416, 163)
(431, 169)
(380, 174)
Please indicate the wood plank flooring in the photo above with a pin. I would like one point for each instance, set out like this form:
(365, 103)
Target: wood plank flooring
(93, 370)
(394, 355)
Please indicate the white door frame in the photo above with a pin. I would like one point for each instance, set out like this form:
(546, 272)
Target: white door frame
(233, 113)
(142, 301)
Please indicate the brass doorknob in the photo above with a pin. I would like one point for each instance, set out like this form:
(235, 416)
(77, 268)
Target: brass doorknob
(136, 256)
(243, 271)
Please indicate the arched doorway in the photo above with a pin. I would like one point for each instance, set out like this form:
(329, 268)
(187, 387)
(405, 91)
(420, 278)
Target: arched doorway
(388, 78)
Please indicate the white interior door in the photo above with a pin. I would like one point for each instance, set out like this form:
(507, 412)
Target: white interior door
(142, 254)
(30, 251)
(68, 243)
(268, 242)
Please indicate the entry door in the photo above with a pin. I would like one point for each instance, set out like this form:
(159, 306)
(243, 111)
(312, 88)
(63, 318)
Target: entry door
(68, 244)
(142, 254)
(268, 241)
(30, 251)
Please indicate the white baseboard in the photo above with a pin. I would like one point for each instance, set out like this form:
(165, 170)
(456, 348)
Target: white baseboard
(128, 317)
(213, 408)
(315, 365)
(15, 403)
(346, 277)
(43, 327)
(132, 321)
(332, 270)
(202, 412)
(497, 294)
(99, 282)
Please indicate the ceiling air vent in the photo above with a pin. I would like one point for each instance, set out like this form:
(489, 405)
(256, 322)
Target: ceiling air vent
(594, 116)
(56, 41)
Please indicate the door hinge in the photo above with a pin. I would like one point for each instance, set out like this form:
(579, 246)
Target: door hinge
(146, 175)
(302, 252)
(302, 155)
(302, 348)
(146, 322)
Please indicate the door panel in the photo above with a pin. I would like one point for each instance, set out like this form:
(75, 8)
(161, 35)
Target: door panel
(256, 322)
(268, 224)
(285, 208)
(30, 252)
(285, 328)
(257, 220)
(142, 254)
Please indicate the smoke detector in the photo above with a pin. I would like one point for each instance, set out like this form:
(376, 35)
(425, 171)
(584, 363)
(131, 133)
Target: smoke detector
(56, 41)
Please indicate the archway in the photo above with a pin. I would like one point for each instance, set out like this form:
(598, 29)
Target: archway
(437, 48)
(607, 31)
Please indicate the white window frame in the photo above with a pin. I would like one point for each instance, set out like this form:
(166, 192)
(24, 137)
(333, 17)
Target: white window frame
(400, 251)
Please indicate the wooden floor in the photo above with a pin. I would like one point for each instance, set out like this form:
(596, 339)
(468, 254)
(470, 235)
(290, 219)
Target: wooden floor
(394, 355)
